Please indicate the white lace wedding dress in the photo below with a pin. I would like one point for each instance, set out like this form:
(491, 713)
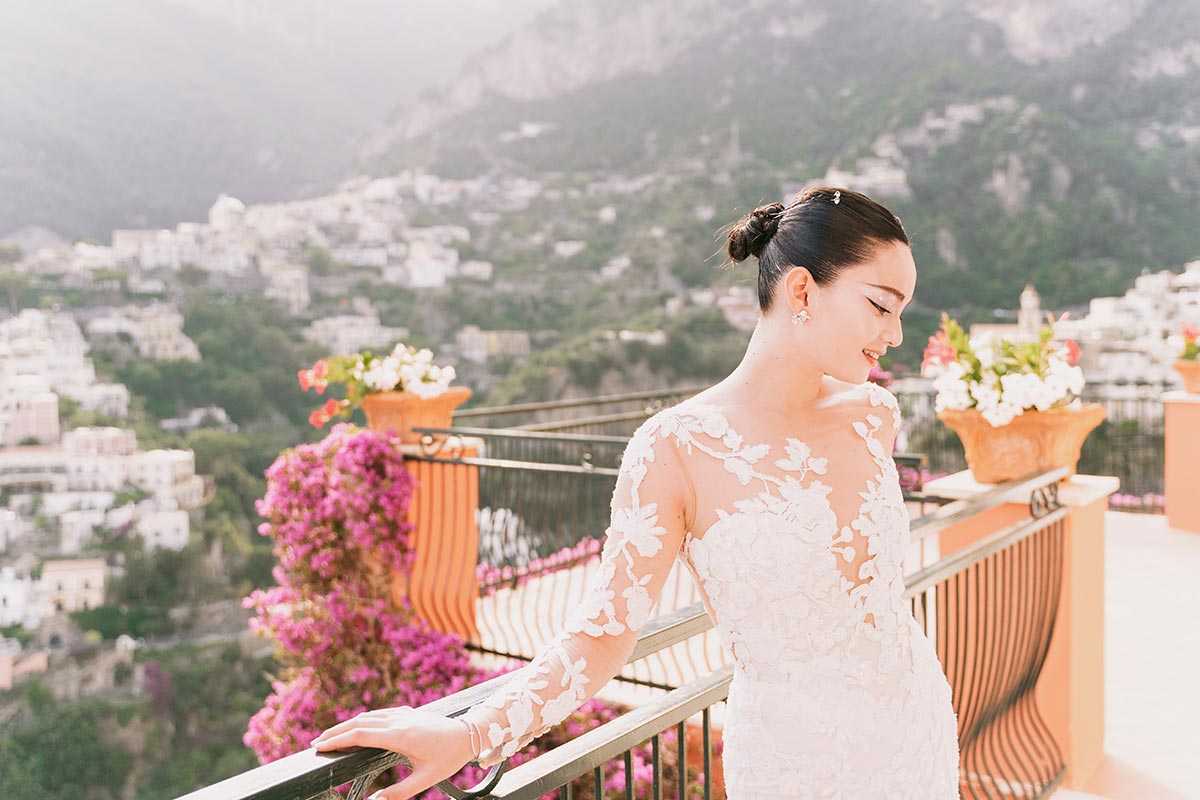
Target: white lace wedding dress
(798, 545)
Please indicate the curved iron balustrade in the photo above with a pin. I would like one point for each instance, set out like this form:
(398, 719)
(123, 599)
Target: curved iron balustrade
(988, 608)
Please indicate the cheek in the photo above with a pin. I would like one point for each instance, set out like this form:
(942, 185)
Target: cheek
(849, 330)
(855, 327)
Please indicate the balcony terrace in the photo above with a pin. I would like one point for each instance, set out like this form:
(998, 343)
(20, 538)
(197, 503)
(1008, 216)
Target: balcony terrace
(1066, 629)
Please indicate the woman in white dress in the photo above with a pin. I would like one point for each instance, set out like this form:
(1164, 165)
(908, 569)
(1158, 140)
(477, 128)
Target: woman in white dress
(777, 489)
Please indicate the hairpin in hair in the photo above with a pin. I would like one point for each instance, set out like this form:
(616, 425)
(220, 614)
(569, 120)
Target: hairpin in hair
(837, 197)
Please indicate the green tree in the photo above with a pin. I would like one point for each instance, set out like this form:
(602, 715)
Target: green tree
(322, 263)
(14, 284)
(38, 743)
(192, 275)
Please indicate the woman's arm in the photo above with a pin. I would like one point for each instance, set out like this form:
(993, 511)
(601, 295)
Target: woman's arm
(650, 506)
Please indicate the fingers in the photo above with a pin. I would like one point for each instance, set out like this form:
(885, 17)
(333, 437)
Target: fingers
(377, 717)
(352, 725)
(380, 737)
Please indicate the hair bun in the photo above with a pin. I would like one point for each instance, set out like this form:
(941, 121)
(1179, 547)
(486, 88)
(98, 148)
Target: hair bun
(752, 232)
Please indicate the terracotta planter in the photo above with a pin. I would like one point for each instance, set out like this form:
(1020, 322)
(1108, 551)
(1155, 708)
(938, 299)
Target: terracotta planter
(1031, 442)
(1189, 368)
(403, 411)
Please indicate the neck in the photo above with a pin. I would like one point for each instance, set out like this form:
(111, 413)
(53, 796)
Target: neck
(775, 374)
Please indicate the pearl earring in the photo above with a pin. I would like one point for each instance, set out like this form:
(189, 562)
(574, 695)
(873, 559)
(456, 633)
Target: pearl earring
(800, 317)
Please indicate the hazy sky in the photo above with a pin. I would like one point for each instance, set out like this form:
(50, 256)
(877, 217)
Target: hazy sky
(139, 112)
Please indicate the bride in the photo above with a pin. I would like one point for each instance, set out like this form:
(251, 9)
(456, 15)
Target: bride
(776, 488)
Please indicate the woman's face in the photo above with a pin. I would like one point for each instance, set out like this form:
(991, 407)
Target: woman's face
(859, 311)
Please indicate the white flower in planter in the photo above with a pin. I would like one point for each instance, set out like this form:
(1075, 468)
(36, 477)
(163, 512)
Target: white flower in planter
(1001, 378)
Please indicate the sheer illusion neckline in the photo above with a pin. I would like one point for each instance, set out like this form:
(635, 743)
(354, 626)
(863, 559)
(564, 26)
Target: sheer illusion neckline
(811, 486)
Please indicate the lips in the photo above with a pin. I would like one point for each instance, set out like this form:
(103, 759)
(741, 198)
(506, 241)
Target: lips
(870, 358)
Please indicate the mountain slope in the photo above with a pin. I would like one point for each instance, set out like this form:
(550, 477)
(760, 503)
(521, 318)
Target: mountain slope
(1013, 152)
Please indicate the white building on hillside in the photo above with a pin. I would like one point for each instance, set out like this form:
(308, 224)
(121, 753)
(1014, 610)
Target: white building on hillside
(156, 330)
(16, 597)
(739, 306)
(67, 585)
(351, 333)
(13, 527)
(429, 265)
(227, 214)
(106, 441)
(163, 528)
(170, 475)
(1128, 339)
(289, 285)
(51, 345)
(28, 410)
(76, 529)
(87, 258)
(37, 468)
(475, 344)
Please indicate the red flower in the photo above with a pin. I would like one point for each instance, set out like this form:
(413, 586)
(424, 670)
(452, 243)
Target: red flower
(1190, 332)
(314, 378)
(323, 414)
(1072, 352)
(939, 352)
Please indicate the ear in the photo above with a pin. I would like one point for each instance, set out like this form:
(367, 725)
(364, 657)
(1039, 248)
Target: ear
(797, 282)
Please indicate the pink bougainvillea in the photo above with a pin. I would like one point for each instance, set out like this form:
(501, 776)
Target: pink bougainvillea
(330, 502)
(491, 577)
(337, 510)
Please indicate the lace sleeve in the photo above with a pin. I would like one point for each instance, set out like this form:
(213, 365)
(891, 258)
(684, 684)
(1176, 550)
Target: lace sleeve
(646, 530)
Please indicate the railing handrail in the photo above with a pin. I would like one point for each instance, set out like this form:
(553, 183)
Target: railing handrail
(609, 740)
(952, 513)
(508, 463)
(518, 433)
(576, 422)
(292, 776)
(977, 551)
(575, 402)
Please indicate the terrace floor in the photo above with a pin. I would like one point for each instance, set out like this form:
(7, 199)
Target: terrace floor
(1151, 654)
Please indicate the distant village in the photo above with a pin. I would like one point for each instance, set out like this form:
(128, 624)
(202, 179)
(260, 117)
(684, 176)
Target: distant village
(62, 486)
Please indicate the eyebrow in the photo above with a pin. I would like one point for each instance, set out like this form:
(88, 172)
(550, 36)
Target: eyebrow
(899, 294)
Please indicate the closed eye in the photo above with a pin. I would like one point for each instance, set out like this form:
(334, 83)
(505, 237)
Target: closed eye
(882, 311)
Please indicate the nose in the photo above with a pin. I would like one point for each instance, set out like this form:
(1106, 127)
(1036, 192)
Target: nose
(897, 335)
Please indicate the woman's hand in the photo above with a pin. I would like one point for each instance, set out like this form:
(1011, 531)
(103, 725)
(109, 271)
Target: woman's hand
(436, 746)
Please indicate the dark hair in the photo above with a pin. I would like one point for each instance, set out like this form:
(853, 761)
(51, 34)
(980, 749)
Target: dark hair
(824, 229)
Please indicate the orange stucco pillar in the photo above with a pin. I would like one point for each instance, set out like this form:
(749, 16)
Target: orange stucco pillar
(1070, 691)
(1181, 470)
(442, 587)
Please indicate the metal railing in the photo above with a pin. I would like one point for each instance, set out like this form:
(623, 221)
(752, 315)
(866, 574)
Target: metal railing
(989, 608)
(601, 415)
(990, 611)
(585, 450)
(1129, 443)
(309, 775)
